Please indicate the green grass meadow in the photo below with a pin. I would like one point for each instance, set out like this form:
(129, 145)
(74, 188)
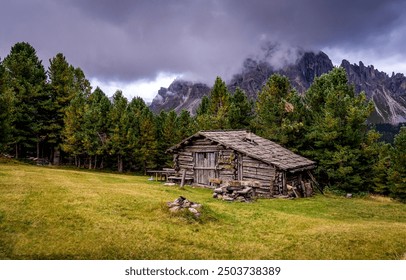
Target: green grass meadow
(54, 213)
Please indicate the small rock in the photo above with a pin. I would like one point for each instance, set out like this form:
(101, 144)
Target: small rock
(196, 205)
(218, 190)
(175, 208)
(193, 210)
(179, 200)
(348, 195)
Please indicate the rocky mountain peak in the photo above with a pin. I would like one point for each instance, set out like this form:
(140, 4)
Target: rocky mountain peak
(179, 95)
(388, 93)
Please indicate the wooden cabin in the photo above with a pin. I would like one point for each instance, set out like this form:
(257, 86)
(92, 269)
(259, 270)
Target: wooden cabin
(240, 155)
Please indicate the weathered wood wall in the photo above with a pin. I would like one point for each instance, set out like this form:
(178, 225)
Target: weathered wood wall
(261, 172)
(185, 156)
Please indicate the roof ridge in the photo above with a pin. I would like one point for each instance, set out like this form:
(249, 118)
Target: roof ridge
(223, 130)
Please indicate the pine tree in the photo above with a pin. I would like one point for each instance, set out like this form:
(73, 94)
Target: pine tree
(134, 111)
(6, 111)
(186, 125)
(279, 113)
(376, 163)
(170, 129)
(213, 110)
(147, 143)
(25, 79)
(65, 83)
(73, 130)
(398, 169)
(219, 103)
(95, 126)
(240, 111)
(203, 108)
(118, 131)
(162, 158)
(336, 130)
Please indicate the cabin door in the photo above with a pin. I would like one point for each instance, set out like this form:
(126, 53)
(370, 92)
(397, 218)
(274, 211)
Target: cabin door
(205, 167)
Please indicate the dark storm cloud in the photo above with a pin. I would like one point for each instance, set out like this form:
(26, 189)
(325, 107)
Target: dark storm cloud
(129, 40)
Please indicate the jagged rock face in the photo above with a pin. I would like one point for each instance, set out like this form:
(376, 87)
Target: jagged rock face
(388, 93)
(252, 78)
(179, 95)
(308, 67)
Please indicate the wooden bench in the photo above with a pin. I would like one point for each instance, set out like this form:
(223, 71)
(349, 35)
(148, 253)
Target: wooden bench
(178, 179)
(162, 174)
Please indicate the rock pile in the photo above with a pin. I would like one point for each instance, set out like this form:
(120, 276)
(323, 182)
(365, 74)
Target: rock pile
(242, 191)
(182, 204)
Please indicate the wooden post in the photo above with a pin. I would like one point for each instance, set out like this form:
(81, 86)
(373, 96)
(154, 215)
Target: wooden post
(182, 182)
(315, 182)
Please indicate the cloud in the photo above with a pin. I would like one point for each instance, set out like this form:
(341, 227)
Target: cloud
(124, 41)
(145, 88)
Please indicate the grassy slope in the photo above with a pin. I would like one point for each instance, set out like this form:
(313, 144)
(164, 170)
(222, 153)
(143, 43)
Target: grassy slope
(50, 213)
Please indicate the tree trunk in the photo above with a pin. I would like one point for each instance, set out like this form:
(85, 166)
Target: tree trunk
(38, 146)
(120, 163)
(51, 157)
(90, 162)
(16, 151)
(56, 156)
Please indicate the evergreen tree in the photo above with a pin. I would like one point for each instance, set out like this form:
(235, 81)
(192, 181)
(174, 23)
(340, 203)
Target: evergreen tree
(95, 126)
(170, 134)
(65, 83)
(25, 79)
(203, 108)
(73, 130)
(135, 109)
(170, 130)
(118, 131)
(162, 158)
(6, 111)
(398, 170)
(219, 103)
(376, 164)
(279, 113)
(240, 111)
(185, 126)
(213, 110)
(336, 130)
(147, 143)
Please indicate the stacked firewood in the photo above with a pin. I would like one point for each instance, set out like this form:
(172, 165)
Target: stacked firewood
(183, 204)
(242, 191)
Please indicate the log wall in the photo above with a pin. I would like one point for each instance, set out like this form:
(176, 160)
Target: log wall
(253, 169)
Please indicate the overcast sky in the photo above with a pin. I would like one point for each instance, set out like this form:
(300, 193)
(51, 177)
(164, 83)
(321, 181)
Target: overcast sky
(140, 45)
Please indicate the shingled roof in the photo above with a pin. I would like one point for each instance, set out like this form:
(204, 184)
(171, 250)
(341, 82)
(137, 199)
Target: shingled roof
(254, 146)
